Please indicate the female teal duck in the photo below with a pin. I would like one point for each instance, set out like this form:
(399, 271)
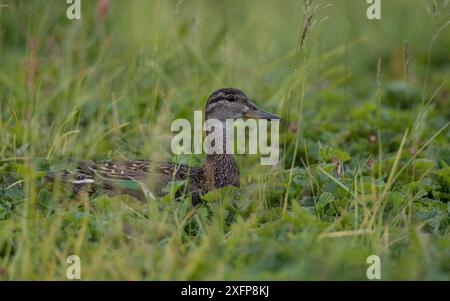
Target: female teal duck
(125, 177)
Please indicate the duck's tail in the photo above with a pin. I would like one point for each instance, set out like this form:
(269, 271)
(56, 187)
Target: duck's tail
(79, 181)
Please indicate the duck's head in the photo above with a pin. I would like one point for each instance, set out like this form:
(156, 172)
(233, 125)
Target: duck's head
(231, 103)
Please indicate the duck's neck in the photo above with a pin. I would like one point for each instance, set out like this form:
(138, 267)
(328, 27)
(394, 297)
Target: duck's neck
(220, 168)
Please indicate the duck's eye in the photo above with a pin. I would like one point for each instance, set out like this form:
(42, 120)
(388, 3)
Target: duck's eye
(231, 97)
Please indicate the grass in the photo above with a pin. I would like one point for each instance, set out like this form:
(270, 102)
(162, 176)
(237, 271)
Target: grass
(365, 143)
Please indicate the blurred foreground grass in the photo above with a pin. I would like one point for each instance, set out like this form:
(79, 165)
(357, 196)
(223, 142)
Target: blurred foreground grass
(108, 86)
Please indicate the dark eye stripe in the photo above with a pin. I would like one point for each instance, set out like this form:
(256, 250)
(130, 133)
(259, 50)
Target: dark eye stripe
(219, 97)
(229, 94)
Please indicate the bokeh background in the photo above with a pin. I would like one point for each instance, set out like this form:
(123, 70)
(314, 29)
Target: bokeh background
(347, 186)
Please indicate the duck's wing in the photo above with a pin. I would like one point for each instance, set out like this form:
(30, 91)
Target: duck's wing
(112, 176)
(115, 170)
(128, 176)
(86, 172)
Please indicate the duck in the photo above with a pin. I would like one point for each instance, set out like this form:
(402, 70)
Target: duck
(128, 176)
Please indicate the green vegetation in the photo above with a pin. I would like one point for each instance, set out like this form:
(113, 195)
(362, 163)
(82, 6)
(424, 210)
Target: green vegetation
(364, 166)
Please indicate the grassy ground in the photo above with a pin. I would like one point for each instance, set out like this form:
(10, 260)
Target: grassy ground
(364, 167)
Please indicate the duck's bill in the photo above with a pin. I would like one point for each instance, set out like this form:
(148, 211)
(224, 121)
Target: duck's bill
(260, 114)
